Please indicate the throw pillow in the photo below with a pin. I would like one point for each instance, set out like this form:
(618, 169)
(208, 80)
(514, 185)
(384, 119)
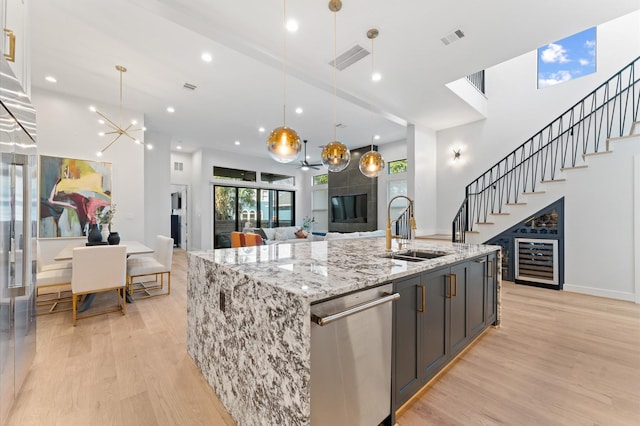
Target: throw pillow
(301, 233)
(280, 236)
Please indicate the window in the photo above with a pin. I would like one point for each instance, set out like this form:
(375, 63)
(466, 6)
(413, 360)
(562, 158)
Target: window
(320, 179)
(567, 59)
(277, 179)
(319, 208)
(234, 174)
(398, 166)
(236, 208)
(397, 187)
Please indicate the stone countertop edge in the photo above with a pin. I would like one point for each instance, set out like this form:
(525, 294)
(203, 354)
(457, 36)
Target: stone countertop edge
(323, 269)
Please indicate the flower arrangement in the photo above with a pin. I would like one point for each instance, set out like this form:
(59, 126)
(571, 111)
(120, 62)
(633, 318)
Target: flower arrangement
(308, 221)
(105, 215)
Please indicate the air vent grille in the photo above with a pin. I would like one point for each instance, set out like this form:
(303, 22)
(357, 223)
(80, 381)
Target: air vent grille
(189, 86)
(350, 57)
(454, 36)
(178, 166)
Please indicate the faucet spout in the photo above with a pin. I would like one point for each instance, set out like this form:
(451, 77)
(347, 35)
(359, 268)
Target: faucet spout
(388, 235)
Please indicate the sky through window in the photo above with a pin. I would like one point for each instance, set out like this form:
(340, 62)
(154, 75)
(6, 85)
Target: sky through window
(567, 59)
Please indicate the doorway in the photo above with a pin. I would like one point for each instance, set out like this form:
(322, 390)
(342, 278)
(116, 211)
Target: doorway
(180, 216)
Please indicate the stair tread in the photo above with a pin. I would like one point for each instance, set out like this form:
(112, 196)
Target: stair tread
(500, 214)
(583, 166)
(516, 204)
(591, 154)
(485, 223)
(534, 192)
(553, 180)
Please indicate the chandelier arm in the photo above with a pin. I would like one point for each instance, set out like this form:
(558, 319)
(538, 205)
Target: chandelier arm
(107, 120)
(111, 143)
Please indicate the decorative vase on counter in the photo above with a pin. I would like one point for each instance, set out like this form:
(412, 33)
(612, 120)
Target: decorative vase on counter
(94, 235)
(114, 238)
(105, 232)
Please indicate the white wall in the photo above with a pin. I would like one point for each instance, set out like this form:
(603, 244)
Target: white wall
(66, 128)
(421, 157)
(390, 152)
(157, 194)
(517, 110)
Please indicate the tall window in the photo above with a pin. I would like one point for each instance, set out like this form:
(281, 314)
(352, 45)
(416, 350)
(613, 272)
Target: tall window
(320, 179)
(237, 207)
(567, 59)
(397, 187)
(319, 202)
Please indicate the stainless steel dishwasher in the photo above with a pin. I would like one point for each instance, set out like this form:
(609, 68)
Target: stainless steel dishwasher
(351, 358)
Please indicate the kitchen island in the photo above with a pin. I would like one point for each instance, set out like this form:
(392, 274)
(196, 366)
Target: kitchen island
(249, 315)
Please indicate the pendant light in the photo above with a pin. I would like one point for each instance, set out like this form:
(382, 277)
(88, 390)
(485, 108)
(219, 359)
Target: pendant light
(284, 143)
(335, 155)
(371, 163)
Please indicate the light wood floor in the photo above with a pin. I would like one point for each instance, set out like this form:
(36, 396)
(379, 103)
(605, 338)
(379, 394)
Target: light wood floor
(558, 359)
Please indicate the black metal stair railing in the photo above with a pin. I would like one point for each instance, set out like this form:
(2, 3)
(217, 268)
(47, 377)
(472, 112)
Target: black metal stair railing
(607, 112)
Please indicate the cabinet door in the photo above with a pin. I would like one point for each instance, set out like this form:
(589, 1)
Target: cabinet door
(492, 288)
(456, 292)
(407, 340)
(433, 320)
(476, 295)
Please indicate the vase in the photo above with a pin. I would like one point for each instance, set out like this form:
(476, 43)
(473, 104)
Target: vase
(105, 232)
(114, 238)
(94, 235)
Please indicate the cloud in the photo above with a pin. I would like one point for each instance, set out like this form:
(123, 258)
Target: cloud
(554, 53)
(554, 78)
(584, 62)
(590, 44)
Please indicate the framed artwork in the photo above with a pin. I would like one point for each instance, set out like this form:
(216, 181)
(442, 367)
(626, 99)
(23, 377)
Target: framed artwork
(71, 193)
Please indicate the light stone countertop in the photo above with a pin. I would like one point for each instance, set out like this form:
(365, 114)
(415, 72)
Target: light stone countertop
(323, 269)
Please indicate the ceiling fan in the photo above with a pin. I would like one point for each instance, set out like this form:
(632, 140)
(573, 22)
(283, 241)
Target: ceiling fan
(304, 164)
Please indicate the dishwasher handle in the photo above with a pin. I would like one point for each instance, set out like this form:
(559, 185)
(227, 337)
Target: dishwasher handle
(321, 321)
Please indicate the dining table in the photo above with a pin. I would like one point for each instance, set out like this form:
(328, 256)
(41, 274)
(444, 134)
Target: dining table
(133, 247)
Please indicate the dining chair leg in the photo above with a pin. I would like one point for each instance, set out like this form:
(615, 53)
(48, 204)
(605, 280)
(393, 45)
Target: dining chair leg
(168, 283)
(124, 300)
(75, 310)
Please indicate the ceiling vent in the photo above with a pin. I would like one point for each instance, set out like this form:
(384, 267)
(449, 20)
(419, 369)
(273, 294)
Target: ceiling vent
(189, 86)
(454, 36)
(350, 57)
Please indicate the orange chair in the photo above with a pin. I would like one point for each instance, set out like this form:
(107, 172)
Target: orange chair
(251, 239)
(237, 239)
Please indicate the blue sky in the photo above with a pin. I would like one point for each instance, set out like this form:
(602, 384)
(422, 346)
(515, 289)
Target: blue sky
(566, 59)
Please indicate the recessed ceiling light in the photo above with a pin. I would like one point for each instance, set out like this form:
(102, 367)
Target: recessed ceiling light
(171, 109)
(179, 147)
(149, 146)
(299, 110)
(292, 25)
(261, 129)
(377, 137)
(376, 76)
(206, 56)
(99, 153)
(237, 142)
(51, 79)
(144, 129)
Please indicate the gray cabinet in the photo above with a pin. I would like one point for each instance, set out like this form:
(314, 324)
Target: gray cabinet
(438, 314)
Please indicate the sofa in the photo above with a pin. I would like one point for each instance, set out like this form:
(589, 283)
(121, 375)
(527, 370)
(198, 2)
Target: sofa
(288, 234)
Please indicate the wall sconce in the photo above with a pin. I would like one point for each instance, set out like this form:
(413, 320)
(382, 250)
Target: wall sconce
(457, 153)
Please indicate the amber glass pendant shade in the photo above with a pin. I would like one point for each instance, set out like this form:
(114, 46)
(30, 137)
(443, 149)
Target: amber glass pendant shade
(335, 156)
(284, 144)
(371, 164)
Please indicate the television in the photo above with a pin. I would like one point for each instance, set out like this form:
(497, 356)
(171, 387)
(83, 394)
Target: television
(176, 201)
(349, 208)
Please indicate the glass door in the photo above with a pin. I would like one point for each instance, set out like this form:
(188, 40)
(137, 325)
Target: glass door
(224, 214)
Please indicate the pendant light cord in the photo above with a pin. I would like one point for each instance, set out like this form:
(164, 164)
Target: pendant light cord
(284, 64)
(371, 82)
(120, 98)
(335, 68)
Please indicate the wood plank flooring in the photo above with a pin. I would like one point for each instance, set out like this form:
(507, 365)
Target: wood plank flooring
(558, 359)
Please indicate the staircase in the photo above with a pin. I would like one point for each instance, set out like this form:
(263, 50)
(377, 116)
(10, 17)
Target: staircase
(527, 178)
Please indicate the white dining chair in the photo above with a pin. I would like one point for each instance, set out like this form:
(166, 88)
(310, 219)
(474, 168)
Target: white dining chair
(99, 269)
(54, 280)
(157, 265)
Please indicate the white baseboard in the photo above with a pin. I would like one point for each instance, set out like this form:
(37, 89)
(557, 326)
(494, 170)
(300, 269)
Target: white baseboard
(600, 292)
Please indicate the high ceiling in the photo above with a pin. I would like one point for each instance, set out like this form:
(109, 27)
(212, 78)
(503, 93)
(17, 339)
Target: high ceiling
(241, 90)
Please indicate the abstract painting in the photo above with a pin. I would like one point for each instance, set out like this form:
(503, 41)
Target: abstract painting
(72, 192)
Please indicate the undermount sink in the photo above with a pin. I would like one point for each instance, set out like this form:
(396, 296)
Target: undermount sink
(414, 255)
